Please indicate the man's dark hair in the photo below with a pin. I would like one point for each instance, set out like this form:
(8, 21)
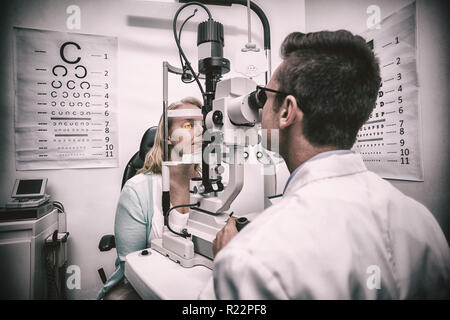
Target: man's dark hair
(335, 78)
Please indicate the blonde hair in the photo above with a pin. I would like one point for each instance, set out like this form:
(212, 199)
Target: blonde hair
(153, 158)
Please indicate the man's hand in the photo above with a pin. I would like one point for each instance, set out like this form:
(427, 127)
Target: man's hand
(225, 235)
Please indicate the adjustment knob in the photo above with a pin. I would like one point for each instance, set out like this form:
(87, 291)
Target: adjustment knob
(241, 222)
(219, 169)
(217, 117)
(201, 189)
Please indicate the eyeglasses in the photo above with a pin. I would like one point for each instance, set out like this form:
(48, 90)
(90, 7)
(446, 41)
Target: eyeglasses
(258, 98)
(261, 95)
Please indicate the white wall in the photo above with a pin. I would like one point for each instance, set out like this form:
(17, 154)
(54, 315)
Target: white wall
(145, 40)
(433, 73)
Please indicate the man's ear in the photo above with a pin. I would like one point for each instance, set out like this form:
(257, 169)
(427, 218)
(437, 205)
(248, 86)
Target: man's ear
(289, 112)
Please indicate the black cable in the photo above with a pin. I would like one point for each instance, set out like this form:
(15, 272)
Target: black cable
(181, 29)
(253, 6)
(53, 291)
(183, 66)
(177, 41)
(58, 206)
(185, 234)
(62, 281)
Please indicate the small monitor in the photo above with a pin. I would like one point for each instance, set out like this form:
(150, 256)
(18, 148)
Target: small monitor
(29, 188)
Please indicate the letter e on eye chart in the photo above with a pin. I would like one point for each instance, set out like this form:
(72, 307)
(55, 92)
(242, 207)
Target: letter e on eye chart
(65, 100)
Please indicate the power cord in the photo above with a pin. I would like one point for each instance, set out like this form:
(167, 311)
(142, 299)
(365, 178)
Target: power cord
(58, 205)
(53, 289)
(184, 232)
(177, 41)
(186, 76)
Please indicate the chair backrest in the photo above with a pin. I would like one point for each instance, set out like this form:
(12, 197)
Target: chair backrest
(137, 160)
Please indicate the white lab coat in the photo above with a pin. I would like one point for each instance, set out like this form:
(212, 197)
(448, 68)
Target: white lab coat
(339, 232)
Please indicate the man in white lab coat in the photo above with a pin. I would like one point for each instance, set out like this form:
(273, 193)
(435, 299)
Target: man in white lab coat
(339, 231)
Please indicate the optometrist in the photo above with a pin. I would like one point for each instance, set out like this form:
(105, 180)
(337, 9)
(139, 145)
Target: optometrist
(339, 231)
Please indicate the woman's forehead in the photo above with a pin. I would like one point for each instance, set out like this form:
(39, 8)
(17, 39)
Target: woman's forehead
(185, 112)
(187, 106)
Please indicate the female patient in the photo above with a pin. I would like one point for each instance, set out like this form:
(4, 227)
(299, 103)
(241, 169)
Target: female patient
(139, 216)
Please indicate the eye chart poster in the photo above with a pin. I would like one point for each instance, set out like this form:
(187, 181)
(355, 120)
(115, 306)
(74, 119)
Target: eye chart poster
(389, 141)
(65, 100)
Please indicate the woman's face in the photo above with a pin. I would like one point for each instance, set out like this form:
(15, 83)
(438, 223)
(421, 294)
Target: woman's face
(185, 134)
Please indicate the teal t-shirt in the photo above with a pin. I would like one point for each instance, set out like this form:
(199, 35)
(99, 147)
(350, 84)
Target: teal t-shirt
(132, 224)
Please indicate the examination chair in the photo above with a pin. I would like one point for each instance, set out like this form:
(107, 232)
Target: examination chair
(136, 162)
